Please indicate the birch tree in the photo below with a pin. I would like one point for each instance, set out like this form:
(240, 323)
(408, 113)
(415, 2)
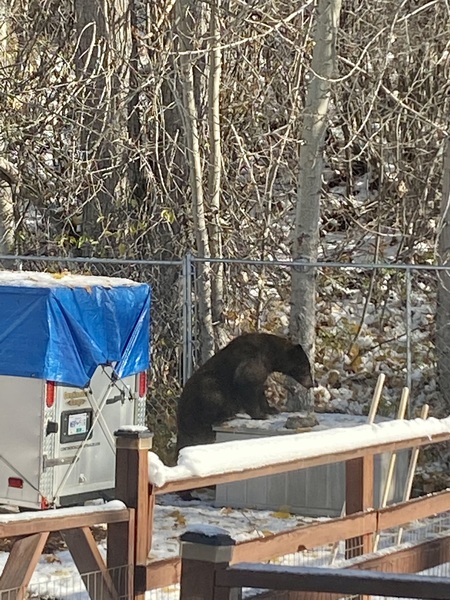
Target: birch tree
(186, 12)
(8, 172)
(306, 234)
(102, 63)
(215, 158)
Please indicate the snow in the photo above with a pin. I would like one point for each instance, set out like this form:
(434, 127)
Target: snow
(133, 428)
(53, 280)
(57, 577)
(61, 512)
(278, 422)
(207, 530)
(235, 456)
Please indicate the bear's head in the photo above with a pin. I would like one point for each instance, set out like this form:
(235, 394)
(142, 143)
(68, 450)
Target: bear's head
(298, 367)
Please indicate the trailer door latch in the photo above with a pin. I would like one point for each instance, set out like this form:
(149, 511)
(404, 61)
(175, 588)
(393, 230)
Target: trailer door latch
(56, 462)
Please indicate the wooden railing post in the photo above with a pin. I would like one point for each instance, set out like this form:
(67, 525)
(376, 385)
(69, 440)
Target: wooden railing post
(132, 487)
(203, 553)
(358, 497)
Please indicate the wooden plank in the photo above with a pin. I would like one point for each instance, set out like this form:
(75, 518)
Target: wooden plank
(20, 565)
(198, 579)
(133, 488)
(420, 557)
(425, 555)
(342, 581)
(302, 463)
(340, 528)
(411, 510)
(17, 527)
(120, 555)
(358, 497)
(161, 573)
(305, 537)
(167, 572)
(90, 563)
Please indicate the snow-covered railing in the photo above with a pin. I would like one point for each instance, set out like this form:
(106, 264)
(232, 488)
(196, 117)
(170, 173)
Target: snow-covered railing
(25, 523)
(236, 460)
(32, 529)
(139, 472)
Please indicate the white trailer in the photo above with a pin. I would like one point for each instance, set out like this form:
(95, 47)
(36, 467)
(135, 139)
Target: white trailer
(74, 355)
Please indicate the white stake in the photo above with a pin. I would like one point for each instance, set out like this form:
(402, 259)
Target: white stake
(390, 473)
(411, 471)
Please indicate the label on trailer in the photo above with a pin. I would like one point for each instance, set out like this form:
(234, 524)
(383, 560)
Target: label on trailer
(75, 425)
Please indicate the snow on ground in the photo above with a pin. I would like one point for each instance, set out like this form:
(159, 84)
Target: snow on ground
(56, 575)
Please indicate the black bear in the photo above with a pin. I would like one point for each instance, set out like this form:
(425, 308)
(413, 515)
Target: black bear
(233, 380)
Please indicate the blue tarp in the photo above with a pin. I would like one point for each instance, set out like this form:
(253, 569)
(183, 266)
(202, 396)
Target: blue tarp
(64, 333)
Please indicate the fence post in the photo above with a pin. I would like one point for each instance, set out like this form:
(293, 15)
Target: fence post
(408, 337)
(187, 317)
(358, 497)
(132, 487)
(203, 553)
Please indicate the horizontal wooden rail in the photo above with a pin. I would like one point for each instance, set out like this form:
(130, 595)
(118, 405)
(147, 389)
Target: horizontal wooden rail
(30, 532)
(12, 526)
(348, 581)
(301, 463)
(161, 573)
(167, 572)
(341, 528)
(413, 559)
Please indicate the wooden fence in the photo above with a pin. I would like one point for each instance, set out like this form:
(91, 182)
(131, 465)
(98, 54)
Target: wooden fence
(357, 528)
(130, 526)
(101, 578)
(207, 573)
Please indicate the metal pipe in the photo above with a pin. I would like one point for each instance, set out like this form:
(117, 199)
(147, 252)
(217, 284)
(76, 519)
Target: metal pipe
(187, 316)
(408, 337)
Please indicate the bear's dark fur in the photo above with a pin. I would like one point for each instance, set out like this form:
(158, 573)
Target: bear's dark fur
(233, 380)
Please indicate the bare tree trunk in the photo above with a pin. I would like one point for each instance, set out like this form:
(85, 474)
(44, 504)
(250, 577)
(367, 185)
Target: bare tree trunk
(104, 46)
(9, 178)
(8, 172)
(443, 297)
(306, 236)
(215, 159)
(185, 14)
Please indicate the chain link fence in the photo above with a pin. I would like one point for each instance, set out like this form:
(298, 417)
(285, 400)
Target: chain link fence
(65, 586)
(370, 319)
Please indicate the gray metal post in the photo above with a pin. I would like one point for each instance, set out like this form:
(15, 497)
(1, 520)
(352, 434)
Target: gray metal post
(408, 338)
(187, 317)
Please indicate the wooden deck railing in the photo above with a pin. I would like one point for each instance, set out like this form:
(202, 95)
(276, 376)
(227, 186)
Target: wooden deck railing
(357, 528)
(31, 534)
(207, 573)
(130, 525)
